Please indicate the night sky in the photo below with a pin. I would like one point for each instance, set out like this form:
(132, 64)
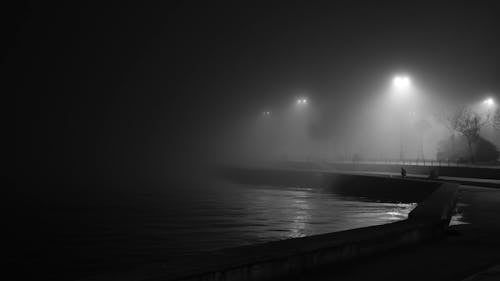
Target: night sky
(129, 90)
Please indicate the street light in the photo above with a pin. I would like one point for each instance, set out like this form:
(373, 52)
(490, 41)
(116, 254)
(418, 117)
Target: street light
(489, 102)
(299, 118)
(401, 86)
(401, 83)
(302, 101)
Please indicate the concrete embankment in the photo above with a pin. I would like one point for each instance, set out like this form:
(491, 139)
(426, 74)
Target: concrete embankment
(294, 256)
(470, 248)
(486, 176)
(376, 188)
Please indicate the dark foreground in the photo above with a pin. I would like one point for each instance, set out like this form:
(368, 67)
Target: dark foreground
(467, 249)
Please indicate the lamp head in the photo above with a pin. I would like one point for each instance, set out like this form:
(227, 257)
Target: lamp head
(401, 82)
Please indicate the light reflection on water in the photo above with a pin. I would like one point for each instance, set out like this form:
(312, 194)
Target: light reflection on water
(274, 213)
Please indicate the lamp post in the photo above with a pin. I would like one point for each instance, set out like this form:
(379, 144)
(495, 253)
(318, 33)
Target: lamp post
(488, 107)
(301, 119)
(492, 116)
(401, 85)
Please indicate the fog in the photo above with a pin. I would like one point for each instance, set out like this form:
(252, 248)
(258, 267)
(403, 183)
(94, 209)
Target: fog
(124, 116)
(115, 95)
(376, 124)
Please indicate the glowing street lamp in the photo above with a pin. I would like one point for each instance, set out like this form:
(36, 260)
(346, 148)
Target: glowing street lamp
(489, 102)
(401, 86)
(401, 83)
(299, 117)
(302, 101)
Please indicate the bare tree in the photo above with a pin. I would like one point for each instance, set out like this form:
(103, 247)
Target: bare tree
(469, 124)
(496, 119)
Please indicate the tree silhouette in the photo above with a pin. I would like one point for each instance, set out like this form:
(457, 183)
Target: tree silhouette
(484, 150)
(468, 124)
(496, 119)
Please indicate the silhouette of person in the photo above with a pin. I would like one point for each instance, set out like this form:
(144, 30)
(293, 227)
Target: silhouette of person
(403, 172)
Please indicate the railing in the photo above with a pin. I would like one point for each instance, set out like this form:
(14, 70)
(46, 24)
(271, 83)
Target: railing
(421, 162)
(413, 162)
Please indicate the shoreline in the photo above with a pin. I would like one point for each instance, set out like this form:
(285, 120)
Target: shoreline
(291, 257)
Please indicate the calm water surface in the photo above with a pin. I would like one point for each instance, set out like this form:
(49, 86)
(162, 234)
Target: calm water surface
(157, 226)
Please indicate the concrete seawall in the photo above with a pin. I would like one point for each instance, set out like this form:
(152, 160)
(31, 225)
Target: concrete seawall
(278, 259)
(371, 187)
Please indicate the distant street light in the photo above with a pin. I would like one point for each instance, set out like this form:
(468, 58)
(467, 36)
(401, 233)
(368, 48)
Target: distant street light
(299, 118)
(489, 102)
(302, 101)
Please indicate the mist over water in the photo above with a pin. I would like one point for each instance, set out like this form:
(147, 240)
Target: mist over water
(125, 113)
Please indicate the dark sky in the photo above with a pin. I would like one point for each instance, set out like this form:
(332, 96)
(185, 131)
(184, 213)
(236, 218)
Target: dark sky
(120, 89)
